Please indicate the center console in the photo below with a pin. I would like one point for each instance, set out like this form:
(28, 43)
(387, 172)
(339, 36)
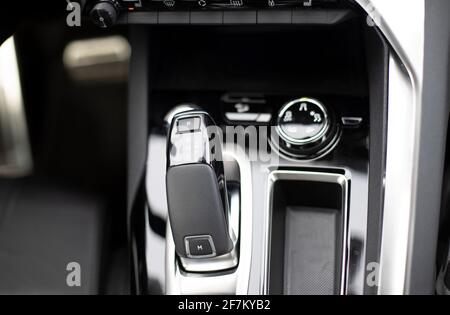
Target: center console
(300, 107)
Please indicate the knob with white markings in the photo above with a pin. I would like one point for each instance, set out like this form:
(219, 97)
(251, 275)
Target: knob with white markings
(306, 129)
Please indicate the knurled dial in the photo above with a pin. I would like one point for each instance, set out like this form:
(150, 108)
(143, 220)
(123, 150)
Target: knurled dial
(306, 129)
(302, 121)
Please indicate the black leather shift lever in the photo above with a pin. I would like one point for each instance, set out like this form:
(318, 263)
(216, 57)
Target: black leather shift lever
(196, 187)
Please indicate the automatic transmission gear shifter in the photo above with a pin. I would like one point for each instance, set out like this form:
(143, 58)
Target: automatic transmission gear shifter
(196, 188)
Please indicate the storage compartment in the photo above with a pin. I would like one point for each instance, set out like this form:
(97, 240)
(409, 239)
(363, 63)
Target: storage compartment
(307, 233)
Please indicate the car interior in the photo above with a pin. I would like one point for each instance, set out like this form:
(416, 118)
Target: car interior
(225, 147)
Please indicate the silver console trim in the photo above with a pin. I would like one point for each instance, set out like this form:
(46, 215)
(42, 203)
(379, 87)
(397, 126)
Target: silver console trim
(275, 176)
(399, 183)
(406, 36)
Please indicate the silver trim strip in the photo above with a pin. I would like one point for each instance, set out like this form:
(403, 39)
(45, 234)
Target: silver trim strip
(399, 183)
(406, 37)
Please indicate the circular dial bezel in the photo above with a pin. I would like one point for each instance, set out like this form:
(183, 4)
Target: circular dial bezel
(309, 140)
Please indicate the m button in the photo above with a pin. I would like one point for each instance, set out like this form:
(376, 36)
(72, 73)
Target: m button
(200, 246)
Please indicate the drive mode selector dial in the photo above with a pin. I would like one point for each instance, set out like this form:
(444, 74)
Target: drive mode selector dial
(302, 121)
(306, 129)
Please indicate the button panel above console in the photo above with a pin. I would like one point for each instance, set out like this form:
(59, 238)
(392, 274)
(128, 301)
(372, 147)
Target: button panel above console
(227, 4)
(106, 13)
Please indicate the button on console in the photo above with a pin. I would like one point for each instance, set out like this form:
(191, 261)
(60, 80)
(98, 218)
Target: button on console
(199, 246)
(190, 124)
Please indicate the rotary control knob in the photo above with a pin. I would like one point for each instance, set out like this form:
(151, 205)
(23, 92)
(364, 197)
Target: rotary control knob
(302, 121)
(104, 14)
(306, 129)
